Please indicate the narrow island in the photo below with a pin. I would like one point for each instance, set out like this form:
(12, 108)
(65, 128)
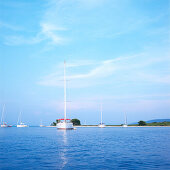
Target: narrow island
(141, 123)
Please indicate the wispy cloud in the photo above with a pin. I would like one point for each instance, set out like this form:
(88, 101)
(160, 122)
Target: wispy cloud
(130, 68)
(137, 23)
(50, 31)
(62, 19)
(9, 26)
(90, 4)
(103, 69)
(50, 26)
(21, 40)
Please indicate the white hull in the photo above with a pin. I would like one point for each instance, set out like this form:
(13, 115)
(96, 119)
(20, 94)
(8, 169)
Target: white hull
(22, 126)
(65, 126)
(125, 126)
(101, 126)
(4, 126)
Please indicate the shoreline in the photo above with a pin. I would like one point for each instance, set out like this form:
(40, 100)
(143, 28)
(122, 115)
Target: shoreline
(121, 126)
(108, 126)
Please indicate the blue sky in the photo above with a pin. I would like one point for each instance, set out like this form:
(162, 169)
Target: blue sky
(116, 51)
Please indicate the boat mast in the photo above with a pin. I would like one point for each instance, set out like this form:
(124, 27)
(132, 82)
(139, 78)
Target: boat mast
(101, 113)
(65, 91)
(125, 119)
(2, 117)
(19, 118)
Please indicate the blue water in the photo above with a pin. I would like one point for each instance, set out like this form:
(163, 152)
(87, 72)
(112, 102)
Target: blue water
(85, 148)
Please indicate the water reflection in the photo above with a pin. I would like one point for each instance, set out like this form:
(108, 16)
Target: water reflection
(64, 149)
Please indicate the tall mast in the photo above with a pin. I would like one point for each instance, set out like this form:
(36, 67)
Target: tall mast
(125, 119)
(19, 118)
(2, 117)
(65, 90)
(101, 113)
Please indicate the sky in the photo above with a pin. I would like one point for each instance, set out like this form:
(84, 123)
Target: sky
(117, 53)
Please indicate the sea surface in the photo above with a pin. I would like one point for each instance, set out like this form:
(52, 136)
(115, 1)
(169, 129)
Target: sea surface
(85, 148)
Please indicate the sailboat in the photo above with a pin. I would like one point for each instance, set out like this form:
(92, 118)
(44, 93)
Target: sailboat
(20, 123)
(41, 125)
(3, 124)
(65, 124)
(125, 124)
(101, 125)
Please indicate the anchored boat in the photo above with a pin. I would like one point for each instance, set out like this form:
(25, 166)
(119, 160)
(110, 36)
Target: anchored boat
(125, 124)
(3, 123)
(41, 124)
(101, 125)
(20, 123)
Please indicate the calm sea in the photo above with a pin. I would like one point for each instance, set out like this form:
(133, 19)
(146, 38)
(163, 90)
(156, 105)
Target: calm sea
(85, 148)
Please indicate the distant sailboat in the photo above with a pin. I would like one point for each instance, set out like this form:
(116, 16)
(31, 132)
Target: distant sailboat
(20, 123)
(125, 124)
(3, 124)
(65, 124)
(101, 125)
(41, 125)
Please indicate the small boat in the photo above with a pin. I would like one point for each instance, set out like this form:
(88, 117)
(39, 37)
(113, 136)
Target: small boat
(101, 125)
(3, 123)
(125, 124)
(41, 125)
(20, 123)
(65, 124)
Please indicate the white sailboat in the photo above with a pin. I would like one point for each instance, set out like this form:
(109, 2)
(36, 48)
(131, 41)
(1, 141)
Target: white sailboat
(41, 125)
(101, 125)
(20, 123)
(85, 123)
(65, 124)
(125, 124)
(3, 124)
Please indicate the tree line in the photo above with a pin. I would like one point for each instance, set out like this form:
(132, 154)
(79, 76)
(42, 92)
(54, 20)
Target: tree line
(143, 123)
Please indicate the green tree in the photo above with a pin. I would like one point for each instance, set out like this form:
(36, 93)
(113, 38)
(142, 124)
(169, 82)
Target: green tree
(75, 121)
(53, 124)
(57, 120)
(141, 123)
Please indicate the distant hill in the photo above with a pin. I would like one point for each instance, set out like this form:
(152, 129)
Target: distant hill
(158, 120)
(154, 120)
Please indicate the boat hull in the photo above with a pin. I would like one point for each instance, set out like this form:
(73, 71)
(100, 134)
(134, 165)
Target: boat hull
(101, 126)
(4, 126)
(124, 126)
(65, 126)
(22, 126)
